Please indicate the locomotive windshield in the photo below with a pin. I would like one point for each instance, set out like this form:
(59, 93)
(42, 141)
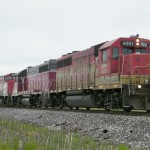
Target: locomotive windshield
(8, 78)
(140, 51)
(52, 65)
(126, 51)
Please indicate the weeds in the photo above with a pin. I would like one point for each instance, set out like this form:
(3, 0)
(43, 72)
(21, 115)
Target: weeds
(16, 135)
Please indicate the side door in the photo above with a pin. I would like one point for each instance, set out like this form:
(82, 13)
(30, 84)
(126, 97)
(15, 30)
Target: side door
(114, 60)
(104, 62)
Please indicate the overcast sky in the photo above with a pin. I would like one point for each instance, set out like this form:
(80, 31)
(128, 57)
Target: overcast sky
(33, 31)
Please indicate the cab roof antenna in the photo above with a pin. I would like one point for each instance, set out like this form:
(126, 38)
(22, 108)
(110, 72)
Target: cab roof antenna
(134, 36)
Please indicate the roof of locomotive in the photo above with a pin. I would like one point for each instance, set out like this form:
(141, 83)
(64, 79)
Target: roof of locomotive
(89, 51)
(108, 44)
(37, 69)
(22, 73)
(68, 55)
(10, 74)
(81, 53)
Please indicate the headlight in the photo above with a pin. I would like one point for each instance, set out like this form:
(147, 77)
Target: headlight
(137, 44)
(139, 86)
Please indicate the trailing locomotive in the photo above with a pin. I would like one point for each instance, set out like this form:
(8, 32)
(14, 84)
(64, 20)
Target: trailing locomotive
(111, 75)
(29, 86)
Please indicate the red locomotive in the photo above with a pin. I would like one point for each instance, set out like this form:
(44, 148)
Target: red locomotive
(112, 74)
(29, 85)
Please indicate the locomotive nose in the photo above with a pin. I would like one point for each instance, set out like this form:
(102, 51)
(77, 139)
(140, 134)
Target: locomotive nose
(141, 63)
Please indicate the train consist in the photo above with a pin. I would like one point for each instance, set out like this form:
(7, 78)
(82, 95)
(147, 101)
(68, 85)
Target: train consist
(111, 75)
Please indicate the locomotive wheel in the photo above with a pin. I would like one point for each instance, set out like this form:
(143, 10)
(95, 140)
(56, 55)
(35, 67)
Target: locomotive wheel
(147, 102)
(71, 108)
(107, 107)
(61, 104)
(21, 105)
(127, 109)
(39, 105)
(39, 102)
(53, 106)
(60, 107)
(46, 106)
(88, 108)
(3, 103)
(18, 103)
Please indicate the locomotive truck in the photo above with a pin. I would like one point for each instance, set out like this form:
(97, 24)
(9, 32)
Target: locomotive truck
(112, 75)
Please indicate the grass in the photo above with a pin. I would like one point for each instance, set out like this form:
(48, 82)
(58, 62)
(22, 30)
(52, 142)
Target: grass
(16, 135)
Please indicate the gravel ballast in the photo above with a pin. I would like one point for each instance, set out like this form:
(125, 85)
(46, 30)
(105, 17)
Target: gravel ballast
(130, 130)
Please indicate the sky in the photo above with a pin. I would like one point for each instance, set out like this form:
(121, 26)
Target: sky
(34, 31)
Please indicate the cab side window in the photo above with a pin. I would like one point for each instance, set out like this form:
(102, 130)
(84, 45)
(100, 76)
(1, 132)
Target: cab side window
(115, 52)
(104, 55)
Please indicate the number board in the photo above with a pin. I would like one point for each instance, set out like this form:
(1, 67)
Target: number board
(144, 44)
(128, 43)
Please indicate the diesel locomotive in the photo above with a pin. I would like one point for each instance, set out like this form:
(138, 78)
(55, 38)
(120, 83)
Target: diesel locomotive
(111, 75)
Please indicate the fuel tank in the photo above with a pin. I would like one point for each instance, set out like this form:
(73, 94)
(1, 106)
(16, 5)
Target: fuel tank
(25, 101)
(81, 100)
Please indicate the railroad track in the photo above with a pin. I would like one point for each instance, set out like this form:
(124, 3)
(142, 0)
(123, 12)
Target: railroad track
(92, 110)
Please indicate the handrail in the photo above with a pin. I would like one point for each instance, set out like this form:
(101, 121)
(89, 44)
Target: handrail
(122, 63)
(121, 67)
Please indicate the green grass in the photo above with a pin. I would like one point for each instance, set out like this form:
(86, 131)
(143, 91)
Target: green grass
(16, 135)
